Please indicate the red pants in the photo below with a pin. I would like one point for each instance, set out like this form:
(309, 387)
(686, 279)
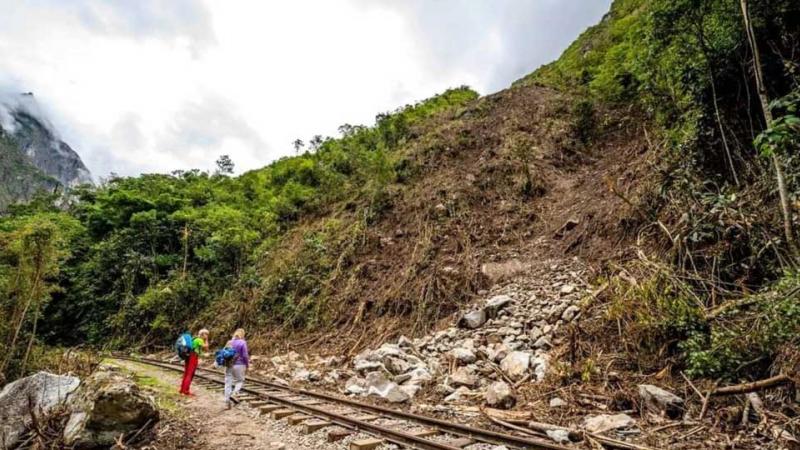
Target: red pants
(189, 368)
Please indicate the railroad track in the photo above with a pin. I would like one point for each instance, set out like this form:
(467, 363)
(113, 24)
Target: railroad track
(314, 411)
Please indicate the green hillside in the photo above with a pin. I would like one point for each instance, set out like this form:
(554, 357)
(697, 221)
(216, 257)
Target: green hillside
(640, 137)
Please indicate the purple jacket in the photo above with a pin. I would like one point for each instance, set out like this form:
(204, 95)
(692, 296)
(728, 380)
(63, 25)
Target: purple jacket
(242, 354)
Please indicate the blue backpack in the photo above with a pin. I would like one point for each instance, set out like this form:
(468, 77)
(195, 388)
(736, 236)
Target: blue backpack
(183, 346)
(225, 357)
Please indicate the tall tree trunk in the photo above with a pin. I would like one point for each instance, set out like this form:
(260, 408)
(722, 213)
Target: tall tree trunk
(30, 343)
(786, 208)
(18, 328)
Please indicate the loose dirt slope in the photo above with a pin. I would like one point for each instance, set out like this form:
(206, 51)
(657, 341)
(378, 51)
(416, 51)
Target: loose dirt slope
(485, 189)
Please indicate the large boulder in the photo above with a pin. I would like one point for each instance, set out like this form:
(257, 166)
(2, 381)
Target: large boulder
(38, 394)
(661, 401)
(107, 405)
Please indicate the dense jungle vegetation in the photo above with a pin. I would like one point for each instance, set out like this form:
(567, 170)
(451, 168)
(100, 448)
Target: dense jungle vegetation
(124, 263)
(688, 70)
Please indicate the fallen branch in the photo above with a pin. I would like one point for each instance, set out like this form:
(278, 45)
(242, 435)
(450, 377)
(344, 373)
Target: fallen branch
(753, 386)
(705, 401)
(608, 442)
(138, 432)
(574, 435)
(528, 432)
(522, 381)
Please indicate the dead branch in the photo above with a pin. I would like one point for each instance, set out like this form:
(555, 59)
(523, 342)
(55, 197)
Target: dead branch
(608, 442)
(705, 401)
(753, 386)
(526, 431)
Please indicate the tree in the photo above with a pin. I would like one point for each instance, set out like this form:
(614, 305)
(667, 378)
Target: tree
(770, 120)
(37, 245)
(298, 145)
(224, 165)
(316, 141)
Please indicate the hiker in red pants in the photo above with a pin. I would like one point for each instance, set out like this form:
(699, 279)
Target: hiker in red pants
(190, 366)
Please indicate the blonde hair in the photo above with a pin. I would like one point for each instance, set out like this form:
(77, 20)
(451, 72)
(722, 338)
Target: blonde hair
(239, 333)
(203, 332)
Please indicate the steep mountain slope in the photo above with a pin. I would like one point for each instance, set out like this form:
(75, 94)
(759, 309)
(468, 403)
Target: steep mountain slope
(33, 158)
(19, 178)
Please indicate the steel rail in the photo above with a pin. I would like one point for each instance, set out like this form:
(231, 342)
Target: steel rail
(479, 434)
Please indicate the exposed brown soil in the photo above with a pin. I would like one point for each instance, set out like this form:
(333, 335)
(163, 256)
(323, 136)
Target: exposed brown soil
(466, 205)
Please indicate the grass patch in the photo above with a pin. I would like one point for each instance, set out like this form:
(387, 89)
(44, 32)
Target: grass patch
(165, 394)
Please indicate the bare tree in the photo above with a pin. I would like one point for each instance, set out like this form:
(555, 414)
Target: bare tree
(769, 119)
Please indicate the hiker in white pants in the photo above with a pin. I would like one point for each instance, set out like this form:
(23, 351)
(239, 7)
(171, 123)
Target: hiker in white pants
(234, 374)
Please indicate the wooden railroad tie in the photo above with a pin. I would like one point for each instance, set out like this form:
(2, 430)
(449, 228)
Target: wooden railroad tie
(338, 434)
(365, 417)
(366, 444)
(425, 433)
(459, 442)
(297, 419)
(281, 413)
(266, 409)
(314, 425)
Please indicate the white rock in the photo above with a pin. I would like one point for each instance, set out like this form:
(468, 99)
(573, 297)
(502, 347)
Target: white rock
(404, 342)
(559, 436)
(465, 376)
(557, 402)
(605, 422)
(419, 376)
(496, 303)
(377, 384)
(500, 395)
(472, 320)
(539, 364)
(363, 365)
(661, 401)
(570, 313)
(395, 365)
(543, 343)
(516, 364)
(463, 356)
(356, 385)
(567, 289)
(458, 395)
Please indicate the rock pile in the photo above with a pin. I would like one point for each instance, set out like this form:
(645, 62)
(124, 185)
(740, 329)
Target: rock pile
(501, 341)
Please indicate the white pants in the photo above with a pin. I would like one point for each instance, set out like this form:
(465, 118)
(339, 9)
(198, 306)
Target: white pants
(234, 380)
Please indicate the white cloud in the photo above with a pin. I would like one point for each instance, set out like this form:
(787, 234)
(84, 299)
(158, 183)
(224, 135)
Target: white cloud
(148, 85)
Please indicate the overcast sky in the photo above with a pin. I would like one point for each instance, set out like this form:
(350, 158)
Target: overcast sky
(151, 86)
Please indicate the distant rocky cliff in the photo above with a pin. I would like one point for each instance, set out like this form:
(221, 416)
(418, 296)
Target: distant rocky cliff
(32, 156)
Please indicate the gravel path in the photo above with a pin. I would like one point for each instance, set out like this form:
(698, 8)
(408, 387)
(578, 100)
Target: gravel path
(241, 427)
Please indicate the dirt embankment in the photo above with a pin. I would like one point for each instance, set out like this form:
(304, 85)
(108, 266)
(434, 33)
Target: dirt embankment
(488, 190)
